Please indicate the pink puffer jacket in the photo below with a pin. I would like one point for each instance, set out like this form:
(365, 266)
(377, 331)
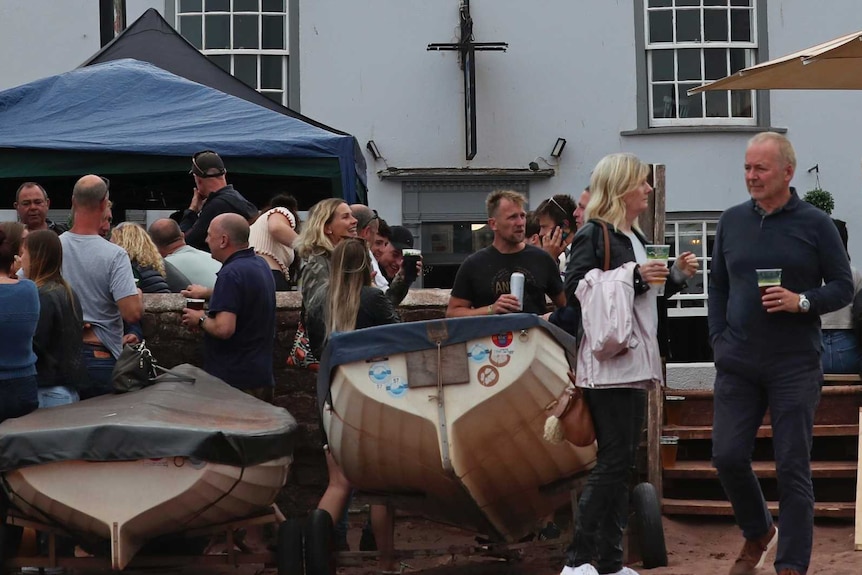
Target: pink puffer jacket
(619, 347)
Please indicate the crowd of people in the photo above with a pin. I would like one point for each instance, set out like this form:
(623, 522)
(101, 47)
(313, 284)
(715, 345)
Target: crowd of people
(70, 300)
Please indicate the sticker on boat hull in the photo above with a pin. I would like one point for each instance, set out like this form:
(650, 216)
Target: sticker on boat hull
(397, 387)
(502, 339)
(478, 352)
(380, 374)
(488, 375)
(501, 357)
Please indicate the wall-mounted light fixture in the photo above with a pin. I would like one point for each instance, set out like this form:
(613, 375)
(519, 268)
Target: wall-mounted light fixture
(558, 148)
(372, 147)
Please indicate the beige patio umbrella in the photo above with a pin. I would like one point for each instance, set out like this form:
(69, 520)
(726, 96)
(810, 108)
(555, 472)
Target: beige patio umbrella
(833, 65)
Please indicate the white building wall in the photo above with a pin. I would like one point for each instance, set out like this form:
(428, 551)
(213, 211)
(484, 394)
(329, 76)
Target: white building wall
(40, 38)
(569, 72)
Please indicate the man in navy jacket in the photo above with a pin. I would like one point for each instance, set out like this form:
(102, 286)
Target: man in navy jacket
(767, 349)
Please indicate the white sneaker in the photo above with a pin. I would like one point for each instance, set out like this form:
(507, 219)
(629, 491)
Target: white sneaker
(585, 569)
(626, 571)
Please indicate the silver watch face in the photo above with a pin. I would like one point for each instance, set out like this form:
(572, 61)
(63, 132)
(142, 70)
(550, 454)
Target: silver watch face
(804, 304)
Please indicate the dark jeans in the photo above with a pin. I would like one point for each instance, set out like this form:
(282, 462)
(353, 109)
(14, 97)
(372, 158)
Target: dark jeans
(20, 396)
(841, 352)
(746, 384)
(603, 508)
(100, 365)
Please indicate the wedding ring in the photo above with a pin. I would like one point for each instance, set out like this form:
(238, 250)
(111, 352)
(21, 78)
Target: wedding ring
(779, 302)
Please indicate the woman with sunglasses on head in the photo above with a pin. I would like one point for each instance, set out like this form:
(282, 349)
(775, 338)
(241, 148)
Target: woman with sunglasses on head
(57, 343)
(329, 223)
(19, 315)
(272, 236)
(619, 194)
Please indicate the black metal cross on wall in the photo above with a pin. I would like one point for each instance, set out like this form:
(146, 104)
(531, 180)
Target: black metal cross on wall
(467, 50)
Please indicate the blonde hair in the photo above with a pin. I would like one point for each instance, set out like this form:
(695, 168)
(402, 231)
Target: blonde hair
(313, 239)
(785, 148)
(140, 247)
(492, 202)
(613, 177)
(350, 272)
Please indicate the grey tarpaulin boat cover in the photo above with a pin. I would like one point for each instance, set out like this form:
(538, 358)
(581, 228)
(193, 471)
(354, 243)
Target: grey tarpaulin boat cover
(405, 337)
(207, 420)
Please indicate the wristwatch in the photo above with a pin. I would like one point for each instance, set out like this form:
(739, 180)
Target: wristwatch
(204, 318)
(804, 304)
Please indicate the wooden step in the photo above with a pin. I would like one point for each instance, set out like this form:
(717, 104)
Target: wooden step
(705, 431)
(839, 404)
(839, 509)
(705, 470)
(841, 378)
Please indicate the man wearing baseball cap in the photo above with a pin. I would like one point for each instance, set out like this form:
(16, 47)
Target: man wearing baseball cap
(392, 260)
(212, 196)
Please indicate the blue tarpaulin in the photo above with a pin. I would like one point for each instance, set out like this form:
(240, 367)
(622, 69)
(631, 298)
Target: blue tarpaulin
(132, 107)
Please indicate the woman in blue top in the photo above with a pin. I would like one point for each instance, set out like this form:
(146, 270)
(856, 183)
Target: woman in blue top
(19, 314)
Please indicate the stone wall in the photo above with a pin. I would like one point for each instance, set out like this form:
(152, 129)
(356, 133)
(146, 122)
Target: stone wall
(173, 344)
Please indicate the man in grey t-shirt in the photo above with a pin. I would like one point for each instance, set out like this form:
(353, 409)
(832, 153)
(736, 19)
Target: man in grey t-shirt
(101, 275)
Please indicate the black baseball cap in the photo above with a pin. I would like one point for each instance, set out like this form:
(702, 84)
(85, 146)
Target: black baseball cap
(207, 164)
(401, 238)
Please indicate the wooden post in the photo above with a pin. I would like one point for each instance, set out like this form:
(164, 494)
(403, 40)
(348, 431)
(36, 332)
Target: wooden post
(655, 401)
(652, 224)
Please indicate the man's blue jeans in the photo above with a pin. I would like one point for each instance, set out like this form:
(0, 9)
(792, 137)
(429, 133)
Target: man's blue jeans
(841, 352)
(603, 509)
(100, 365)
(746, 384)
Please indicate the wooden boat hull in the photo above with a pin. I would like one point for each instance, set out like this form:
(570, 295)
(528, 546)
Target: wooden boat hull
(469, 453)
(130, 502)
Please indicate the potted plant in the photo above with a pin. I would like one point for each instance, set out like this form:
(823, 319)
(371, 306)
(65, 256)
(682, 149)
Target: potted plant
(820, 198)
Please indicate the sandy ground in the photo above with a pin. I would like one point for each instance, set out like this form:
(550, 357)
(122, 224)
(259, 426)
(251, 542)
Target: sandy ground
(696, 546)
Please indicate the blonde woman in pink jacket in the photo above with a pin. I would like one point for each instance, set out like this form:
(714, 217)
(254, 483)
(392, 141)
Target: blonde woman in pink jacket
(619, 193)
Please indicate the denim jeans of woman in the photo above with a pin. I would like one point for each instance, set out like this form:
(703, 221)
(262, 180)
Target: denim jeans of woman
(603, 509)
(19, 397)
(57, 395)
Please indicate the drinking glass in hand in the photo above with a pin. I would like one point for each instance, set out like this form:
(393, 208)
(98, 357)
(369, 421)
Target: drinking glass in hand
(411, 259)
(658, 253)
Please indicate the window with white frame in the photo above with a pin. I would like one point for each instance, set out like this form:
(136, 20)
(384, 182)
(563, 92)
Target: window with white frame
(696, 236)
(689, 43)
(247, 38)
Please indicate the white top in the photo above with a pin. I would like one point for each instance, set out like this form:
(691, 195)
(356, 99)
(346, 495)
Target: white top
(380, 280)
(263, 243)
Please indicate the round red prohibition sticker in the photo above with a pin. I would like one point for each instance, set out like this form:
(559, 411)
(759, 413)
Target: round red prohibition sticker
(488, 375)
(502, 339)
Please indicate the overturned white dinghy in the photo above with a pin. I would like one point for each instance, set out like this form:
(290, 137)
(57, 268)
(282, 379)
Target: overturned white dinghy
(447, 417)
(165, 459)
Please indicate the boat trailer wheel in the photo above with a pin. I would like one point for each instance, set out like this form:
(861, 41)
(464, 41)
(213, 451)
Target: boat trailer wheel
(648, 526)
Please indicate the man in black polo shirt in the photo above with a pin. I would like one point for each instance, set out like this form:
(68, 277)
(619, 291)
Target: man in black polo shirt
(212, 196)
(239, 327)
(482, 282)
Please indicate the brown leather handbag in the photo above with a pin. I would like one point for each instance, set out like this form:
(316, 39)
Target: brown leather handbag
(570, 419)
